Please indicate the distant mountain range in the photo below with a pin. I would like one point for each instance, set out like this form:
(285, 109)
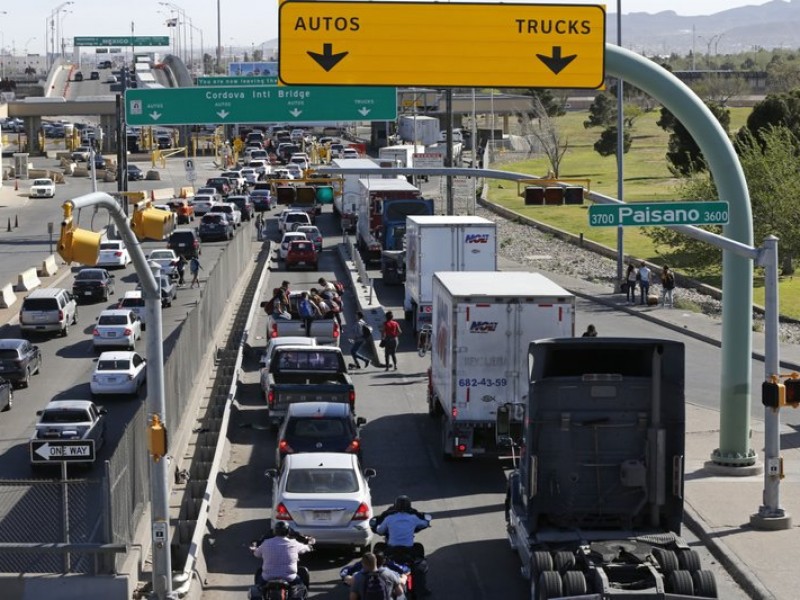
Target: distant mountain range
(771, 25)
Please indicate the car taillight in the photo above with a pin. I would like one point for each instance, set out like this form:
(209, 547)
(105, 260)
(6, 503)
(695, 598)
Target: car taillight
(271, 397)
(354, 446)
(335, 330)
(61, 315)
(95, 333)
(461, 448)
(352, 398)
(117, 253)
(274, 330)
(282, 513)
(454, 412)
(284, 447)
(127, 331)
(362, 512)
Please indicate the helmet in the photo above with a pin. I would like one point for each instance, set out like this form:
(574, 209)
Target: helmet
(402, 503)
(280, 528)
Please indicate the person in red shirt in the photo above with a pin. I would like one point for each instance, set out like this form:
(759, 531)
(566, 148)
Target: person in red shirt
(391, 332)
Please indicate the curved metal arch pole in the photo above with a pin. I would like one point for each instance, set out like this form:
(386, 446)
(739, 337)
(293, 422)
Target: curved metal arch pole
(737, 320)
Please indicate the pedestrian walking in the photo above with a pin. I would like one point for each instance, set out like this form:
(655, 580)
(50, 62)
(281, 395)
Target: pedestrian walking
(391, 332)
(180, 266)
(667, 287)
(362, 333)
(631, 277)
(259, 224)
(194, 268)
(644, 282)
(591, 331)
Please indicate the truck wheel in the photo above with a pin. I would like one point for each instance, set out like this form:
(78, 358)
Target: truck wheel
(680, 583)
(563, 561)
(705, 586)
(540, 562)
(666, 559)
(549, 586)
(574, 583)
(688, 560)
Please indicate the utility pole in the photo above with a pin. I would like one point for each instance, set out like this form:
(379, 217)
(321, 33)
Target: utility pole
(449, 151)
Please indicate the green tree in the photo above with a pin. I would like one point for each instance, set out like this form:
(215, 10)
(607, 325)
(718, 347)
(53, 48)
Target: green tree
(552, 105)
(783, 75)
(602, 112)
(683, 154)
(607, 144)
(774, 110)
(769, 163)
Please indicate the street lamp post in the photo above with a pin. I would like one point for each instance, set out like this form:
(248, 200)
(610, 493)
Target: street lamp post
(182, 22)
(53, 20)
(2, 51)
(202, 48)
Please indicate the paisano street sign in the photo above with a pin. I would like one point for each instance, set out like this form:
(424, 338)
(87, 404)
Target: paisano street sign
(258, 104)
(518, 45)
(125, 40)
(49, 451)
(226, 80)
(658, 214)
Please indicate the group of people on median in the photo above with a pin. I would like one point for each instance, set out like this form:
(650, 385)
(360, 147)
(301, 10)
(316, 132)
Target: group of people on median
(642, 277)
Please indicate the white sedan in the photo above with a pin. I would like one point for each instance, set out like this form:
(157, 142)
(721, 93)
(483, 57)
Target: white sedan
(119, 373)
(117, 327)
(42, 188)
(167, 260)
(113, 254)
(324, 495)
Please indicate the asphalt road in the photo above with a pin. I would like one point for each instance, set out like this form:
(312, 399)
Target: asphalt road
(467, 550)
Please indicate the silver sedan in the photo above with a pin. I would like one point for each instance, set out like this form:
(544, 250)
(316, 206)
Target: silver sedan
(119, 373)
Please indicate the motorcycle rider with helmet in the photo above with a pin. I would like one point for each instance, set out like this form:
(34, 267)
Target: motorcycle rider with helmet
(280, 554)
(399, 523)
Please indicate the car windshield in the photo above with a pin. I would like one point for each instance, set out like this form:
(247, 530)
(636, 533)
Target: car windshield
(113, 320)
(213, 219)
(161, 255)
(132, 302)
(303, 360)
(90, 274)
(113, 365)
(109, 246)
(316, 428)
(321, 481)
(64, 416)
(8, 354)
(301, 247)
(42, 182)
(40, 304)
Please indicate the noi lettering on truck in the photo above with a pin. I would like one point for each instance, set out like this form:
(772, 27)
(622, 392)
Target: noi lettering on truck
(477, 238)
(483, 326)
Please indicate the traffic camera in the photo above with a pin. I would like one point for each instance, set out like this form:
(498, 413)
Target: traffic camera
(77, 245)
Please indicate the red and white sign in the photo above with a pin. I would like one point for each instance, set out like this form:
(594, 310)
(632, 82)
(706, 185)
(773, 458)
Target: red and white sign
(428, 160)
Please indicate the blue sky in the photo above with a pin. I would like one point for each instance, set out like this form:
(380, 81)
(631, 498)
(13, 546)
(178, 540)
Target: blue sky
(244, 22)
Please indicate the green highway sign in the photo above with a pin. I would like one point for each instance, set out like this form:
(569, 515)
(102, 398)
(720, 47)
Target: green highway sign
(658, 214)
(125, 40)
(225, 80)
(258, 104)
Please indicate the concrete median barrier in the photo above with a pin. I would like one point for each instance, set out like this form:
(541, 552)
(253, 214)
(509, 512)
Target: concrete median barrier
(80, 172)
(153, 176)
(28, 280)
(162, 194)
(49, 267)
(7, 296)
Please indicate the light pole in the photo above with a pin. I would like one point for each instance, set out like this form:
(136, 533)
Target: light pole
(182, 21)
(620, 152)
(52, 22)
(219, 37)
(202, 48)
(2, 50)
(61, 32)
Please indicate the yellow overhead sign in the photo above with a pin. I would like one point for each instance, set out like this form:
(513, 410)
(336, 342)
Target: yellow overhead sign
(441, 44)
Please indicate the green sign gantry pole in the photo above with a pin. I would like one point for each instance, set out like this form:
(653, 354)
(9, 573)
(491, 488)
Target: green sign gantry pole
(737, 319)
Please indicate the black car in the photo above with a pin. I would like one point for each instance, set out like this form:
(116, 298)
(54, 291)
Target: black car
(135, 173)
(163, 142)
(19, 359)
(93, 284)
(319, 427)
(244, 205)
(215, 226)
(6, 395)
(94, 75)
(185, 242)
(78, 76)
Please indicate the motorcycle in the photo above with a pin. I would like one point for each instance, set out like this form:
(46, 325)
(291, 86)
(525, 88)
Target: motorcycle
(280, 589)
(412, 557)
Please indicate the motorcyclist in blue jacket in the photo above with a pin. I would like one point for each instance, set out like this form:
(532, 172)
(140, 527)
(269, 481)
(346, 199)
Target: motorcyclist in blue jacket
(399, 524)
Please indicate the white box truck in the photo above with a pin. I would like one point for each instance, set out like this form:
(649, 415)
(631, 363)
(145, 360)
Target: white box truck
(443, 243)
(419, 129)
(345, 204)
(483, 324)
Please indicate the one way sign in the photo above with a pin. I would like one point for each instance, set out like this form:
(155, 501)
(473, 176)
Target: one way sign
(50, 451)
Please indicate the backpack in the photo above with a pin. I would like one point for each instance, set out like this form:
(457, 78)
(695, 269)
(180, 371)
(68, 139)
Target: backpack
(304, 308)
(269, 306)
(376, 587)
(366, 332)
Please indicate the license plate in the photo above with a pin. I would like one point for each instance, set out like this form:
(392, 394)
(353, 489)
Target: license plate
(322, 515)
(302, 262)
(87, 293)
(112, 334)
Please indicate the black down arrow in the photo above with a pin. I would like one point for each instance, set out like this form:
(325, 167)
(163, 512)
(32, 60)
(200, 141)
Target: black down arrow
(556, 63)
(327, 60)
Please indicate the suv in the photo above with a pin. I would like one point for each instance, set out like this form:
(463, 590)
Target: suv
(244, 205)
(215, 226)
(185, 242)
(292, 218)
(302, 253)
(51, 309)
(226, 208)
(19, 359)
(319, 427)
(221, 184)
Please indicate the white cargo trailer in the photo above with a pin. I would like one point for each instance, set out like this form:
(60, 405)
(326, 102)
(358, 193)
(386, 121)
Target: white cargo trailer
(345, 204)
(443, 243)
(482, 325)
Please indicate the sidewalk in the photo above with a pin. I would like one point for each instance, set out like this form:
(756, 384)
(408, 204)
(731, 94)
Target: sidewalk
(718, 508)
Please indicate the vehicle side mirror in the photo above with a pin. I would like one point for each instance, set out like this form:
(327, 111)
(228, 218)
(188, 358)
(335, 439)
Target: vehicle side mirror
(271, 473)
(102, 411)
(370, 473)
(361, 421)
(111, 276)
(39, 413)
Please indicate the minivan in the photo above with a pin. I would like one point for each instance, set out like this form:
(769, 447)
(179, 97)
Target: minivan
(48, 310)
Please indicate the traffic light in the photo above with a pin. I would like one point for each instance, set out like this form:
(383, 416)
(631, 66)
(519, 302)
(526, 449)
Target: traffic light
(792, 385)
(554, 196)
(573, 195)
(534, 195)
(286, 194)
(77, 245)
(773, 394)
(157, 438)
(152, 223)
(325, 194)
(305, 194)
